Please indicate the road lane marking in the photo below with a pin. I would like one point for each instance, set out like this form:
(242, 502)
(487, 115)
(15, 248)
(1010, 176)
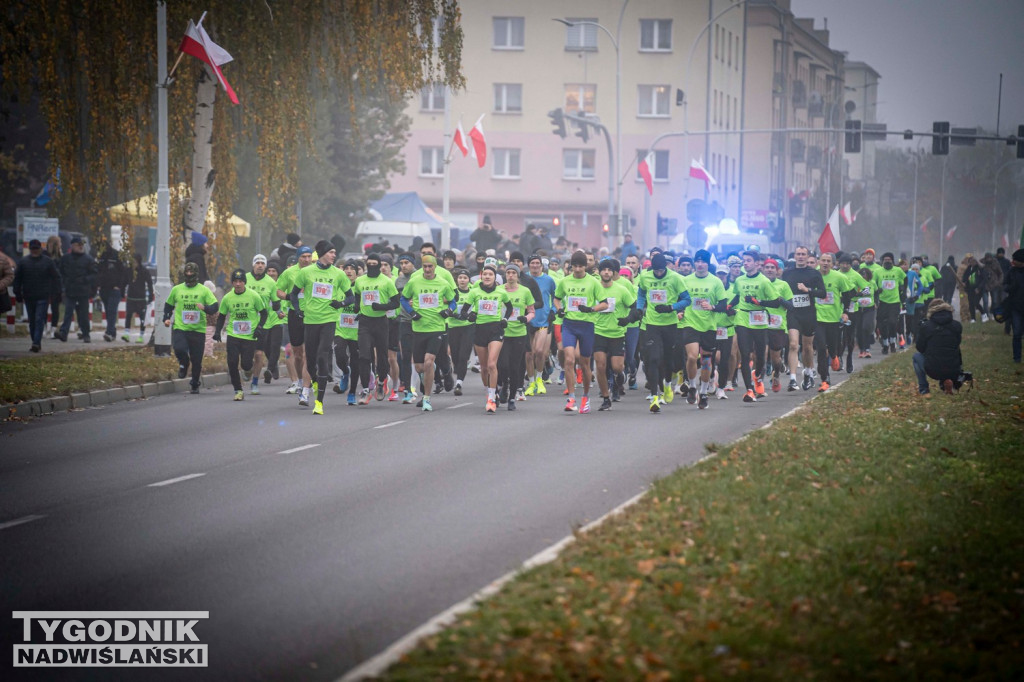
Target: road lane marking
(23, 519)
(171, 481)
(455, 407)
(389, 424)
(300, 448)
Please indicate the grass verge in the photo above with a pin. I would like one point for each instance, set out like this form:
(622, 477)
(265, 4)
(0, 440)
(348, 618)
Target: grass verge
(43, 376)
(875, 534)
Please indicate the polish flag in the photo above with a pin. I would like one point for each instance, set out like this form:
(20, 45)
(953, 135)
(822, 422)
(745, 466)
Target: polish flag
(950, 232)
(198, 44)
(697, 170)
(1006, 240)
(846, 214)
(829, 241)
(459, 139)
(790, 192)
(476, 135)
(924, 225)
(644, 168)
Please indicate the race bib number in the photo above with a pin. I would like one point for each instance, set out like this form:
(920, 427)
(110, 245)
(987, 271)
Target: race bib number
(722, 333)
(828, 300)
(515, 313)
(323, 290)
(428, 300)
(701, 304)
(889, 284)
(190, 317)
(488, 307)
(241, 327)
(302, 294)
(611, 305)
(371, 296)
(658, 296)
(865, 302)
(574, 302)
(758, 318)
(774, 321)
(801, 300)
(349, 321)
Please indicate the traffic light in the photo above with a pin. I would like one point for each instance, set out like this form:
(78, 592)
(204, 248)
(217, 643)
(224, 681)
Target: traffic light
(852, 145)
(1020, 142)
(605, 228)
(940, 138)
(555, 222)
(584, 131)
(558, 121)
(777, 229)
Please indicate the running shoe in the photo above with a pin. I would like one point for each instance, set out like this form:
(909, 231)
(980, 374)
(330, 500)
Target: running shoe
(239, 395)
(511, 406)
(655, 404)
(885, 349)
(835, 363)
(407, 398)
(758, 387)
(351, 400)
(458, 387)
(867, 354)
(730, 386)
(632, 382)
(126, 338)
(570, 405)
(861, 355)
(776, 385)
(748, 397)
(342, 385)
(561, 377)
(691, 395)
(606, 404)
(337, 389)
(947, 386)
(448, 381)
(849, 364)
(792, 385)
(108, 337)
(584, 405)
(579, 375)
(720, 394)
(503, 395)
(565, 391)
(520, 395)
(824, 387)
(246, 376)
(426, 405)
(541, 389)
(382, 387)
(194, 390)
(703, 402)
(318, 407)
(304, 398)
(294, 388)
(182, 371)
(392, 397)
(531, 390)
(268, 375)
(364, 396)
(255, 390)
(807, 383)
(667, 394)
(490, 407)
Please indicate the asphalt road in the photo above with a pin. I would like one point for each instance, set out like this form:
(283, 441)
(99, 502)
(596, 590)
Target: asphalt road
(314, 542)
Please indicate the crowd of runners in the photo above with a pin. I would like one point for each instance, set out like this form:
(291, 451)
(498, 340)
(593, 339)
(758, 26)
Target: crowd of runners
(403, 329)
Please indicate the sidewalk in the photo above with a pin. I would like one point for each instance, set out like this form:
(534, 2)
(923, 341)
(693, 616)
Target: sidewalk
(18, 346)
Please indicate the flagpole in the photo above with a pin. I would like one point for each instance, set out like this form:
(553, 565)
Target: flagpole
(162, 286)
(446, 232)
(942, 208)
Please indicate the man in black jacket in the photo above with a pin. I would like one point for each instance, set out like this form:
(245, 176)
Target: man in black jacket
(1013, 303)
(78, 273)
(35, 279)
(139, 294)
(110, 280)
(938, 349)
(485, 236)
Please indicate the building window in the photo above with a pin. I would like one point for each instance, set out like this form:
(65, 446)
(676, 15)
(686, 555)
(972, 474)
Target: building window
(728, 49)
(578, 164)
(508, 98)
(581, 37)
(432, 97)
(580, 97)
(509, 33)
(659, 170)
(718, 30)
(432, 162)
(506, 163)
(653, 100)
(655, 35)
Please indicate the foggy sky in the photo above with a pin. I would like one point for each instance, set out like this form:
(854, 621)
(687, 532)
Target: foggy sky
(939, 60)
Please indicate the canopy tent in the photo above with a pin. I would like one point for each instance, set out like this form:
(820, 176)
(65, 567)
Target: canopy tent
(142, 212)
(406, 207)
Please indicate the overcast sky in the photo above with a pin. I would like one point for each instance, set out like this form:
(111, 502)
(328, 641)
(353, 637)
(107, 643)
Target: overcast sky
(939, 60)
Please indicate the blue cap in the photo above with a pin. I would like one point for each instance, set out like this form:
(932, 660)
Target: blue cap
(304, 250)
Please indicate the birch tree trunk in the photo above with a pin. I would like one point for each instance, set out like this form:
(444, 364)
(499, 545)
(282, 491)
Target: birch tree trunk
(203, 173)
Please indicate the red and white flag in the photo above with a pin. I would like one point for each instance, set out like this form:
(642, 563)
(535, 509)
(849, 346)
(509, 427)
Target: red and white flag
(1006, 240)
(924, 225)
(847, 214)
(790, 192)
(476, 136)
(950, 232)
(459, 139)
(697, 170)
(829, 241)
(644, 168)
(198, 44)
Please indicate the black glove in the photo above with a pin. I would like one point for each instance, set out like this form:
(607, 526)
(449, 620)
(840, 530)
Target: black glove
(663, 308)
(379, 306)
(152, 298)
(521, 318)
(471, 317)
(623, 321)
(504, 323)
(337, 305)
(551, 315)
(257, 333)
(301, 315)
(416, 316)
(730, 311)
(585, 308)
(216, 337)
(751, 300)
(445, 313)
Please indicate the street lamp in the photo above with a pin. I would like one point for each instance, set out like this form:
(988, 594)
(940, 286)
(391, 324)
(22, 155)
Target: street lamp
(618, 109)
(995, 187)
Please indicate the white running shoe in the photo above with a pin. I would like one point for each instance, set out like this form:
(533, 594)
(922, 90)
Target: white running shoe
(720, 394)
(294, 388)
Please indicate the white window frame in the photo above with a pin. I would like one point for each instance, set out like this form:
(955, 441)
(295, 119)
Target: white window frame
(656, 34)
(581, 38)
(660, 171)
(581, 96)
(430, 95)
(501, 98)
(436, 162)
(581, 157)
(509, 22)
(649, 94)
(502, 167)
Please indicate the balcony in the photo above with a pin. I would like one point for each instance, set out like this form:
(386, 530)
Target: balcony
(799, 94)
(796, 150)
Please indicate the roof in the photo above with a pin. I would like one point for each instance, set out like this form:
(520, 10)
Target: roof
(406, 207)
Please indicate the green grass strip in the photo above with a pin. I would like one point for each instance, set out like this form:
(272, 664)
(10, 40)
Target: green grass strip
(875, 534)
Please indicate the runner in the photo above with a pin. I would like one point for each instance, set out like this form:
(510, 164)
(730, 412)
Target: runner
(753, 294)
(248, 314)
(829, 310)
(700, 327)
(577, 298)
(377, 295)
(511, 360)
(538, 331)
(296, 327)
(275, 326)
(725, 338)
(890, 282)
(427, 300)
(346, 339)
(661, 294)
(610, 330)
(188, 304)
(482, 305)
(406, 267)
(258, 281)
(460, 332)
(778, 325)
(866, 331)
(806, 284)
(850, 332)
(394, 332)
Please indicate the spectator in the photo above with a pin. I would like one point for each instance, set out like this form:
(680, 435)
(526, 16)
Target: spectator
(1000, 294)
(196, 253)
(485, 236)
(528, 239)
(138, 295)
(993, 282)
(542, 242)
(35, 280)
(288, 248)
(6, 279)
(938, 349)
(629, 247)
(54, 251)
(969, 280)
(110, 282)
(1013, 303)
(78, 273)
(947, 285)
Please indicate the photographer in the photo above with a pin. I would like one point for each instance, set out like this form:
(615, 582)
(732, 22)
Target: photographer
(938, 349)
(485, 236)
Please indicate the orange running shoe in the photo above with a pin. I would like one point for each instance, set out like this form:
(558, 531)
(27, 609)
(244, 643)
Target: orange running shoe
(490, 408)
(748, 397)
(824, 387)
(570, 405)
(579, 375)
(759, 388)
(835, 364)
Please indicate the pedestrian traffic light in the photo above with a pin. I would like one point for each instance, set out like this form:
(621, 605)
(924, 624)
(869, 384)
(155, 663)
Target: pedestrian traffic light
(940, 138)
(1020, 142)
(852, 145)
(558, 121)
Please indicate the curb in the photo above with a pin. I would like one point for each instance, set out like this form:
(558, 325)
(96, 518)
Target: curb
(78, 401)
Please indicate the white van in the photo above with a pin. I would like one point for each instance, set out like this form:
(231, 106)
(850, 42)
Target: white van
(395, 232)
(721, 245)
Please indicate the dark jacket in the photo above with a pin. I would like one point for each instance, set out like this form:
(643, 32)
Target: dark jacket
(140, 283)
(1014, 287)
(485, 239)
(939, 341)
(78, 274)
(195, 254)
(110, 271)
(36, 278)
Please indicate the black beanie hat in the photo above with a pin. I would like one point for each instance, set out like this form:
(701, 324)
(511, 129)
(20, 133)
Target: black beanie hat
(658, 262)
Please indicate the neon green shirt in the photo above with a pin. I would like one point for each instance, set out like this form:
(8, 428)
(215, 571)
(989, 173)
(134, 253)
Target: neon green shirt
(657, 291)
(748, 314)
(574, 292)
(189, 306)
(708, 288)
(429, 297)
(243, 311)
(266, 287)
(777, 316)
(321, 286)
(370, 290)
(521, 299)
(889, 283)
(830, 308)
(620, 299)
(489, 307)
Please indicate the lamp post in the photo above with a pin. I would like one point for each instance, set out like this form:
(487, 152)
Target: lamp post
(995, 188)
(616, 160)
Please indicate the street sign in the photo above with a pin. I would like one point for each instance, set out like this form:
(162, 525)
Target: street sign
(754, 219)
(40, 228)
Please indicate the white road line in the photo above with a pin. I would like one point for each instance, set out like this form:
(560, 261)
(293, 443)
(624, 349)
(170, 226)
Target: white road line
(455, 407)
(171, 481)
(375, 666)
(300, 448)
(390, 424)
(23, 519)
